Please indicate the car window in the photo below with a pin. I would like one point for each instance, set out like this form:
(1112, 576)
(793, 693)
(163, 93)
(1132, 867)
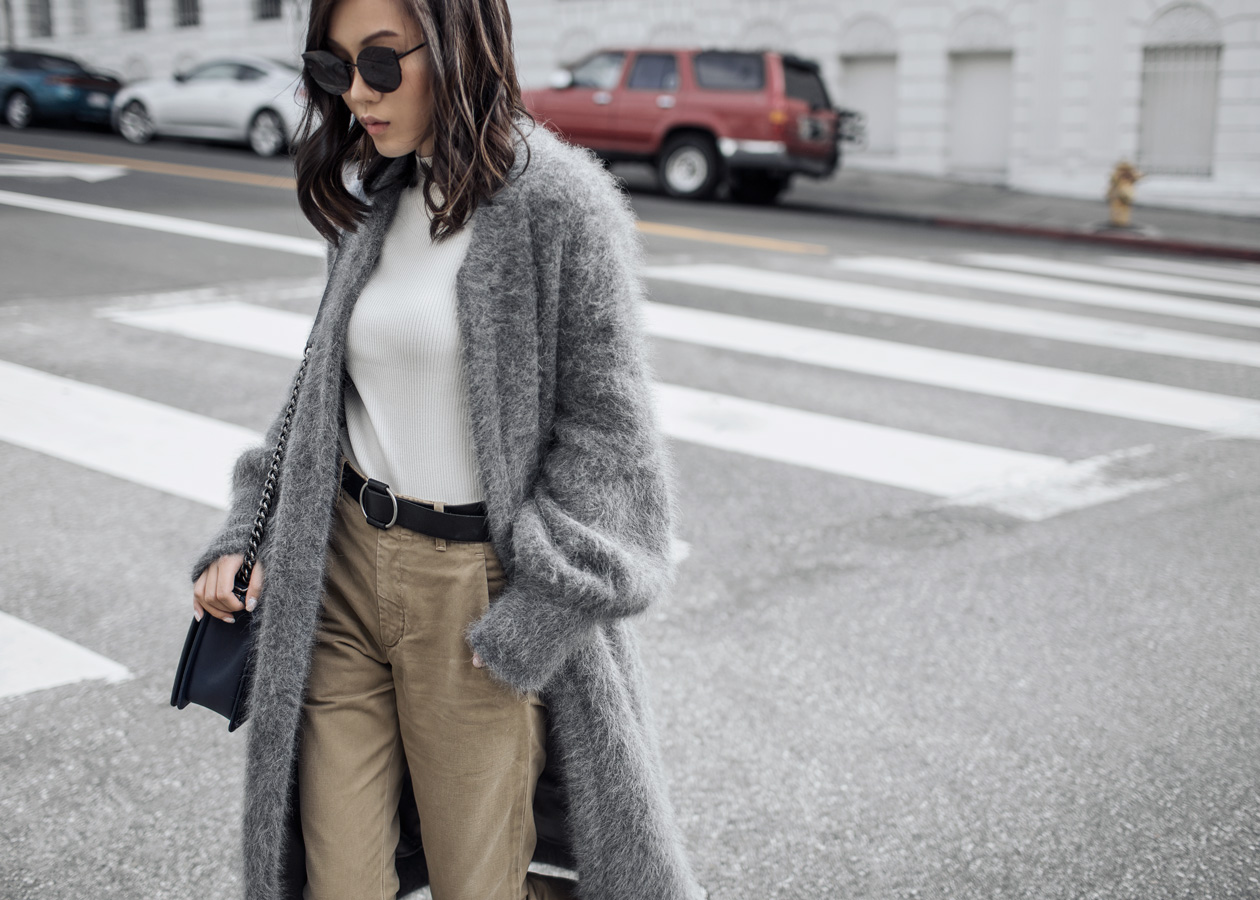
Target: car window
(249, 73)
(58, 64)
(213, 72)
(292, 67)
(602, 71)
(731, 71)
(804, 83)
(654, 72)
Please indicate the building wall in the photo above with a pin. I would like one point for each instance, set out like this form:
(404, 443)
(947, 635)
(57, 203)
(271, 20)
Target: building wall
(1074, 67)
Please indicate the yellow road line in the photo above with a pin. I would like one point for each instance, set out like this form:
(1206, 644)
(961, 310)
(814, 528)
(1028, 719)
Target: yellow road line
(160, 168)
(723, 237)
(681, 232)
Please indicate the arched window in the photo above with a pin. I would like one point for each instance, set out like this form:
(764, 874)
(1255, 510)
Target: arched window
(981, 94)
(1181, 63)
(868, 60)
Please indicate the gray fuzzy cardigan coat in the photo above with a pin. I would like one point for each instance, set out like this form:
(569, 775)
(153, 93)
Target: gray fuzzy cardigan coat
(579, 496)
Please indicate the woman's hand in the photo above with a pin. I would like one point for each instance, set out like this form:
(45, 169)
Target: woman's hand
(213, 591)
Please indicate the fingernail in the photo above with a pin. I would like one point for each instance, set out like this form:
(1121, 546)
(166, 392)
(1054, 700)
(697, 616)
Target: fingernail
(198, 614)
(229, 620)
(250, 604)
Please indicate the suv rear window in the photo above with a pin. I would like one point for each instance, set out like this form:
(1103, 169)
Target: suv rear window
(803, 83)
(731, 71)
(654, 72)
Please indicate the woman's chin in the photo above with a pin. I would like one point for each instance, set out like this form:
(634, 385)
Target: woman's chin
(392, 149)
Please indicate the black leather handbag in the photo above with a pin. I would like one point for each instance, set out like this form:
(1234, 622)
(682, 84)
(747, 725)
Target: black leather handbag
(214, 667)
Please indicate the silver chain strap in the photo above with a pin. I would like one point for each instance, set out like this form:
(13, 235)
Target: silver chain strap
(269, 487)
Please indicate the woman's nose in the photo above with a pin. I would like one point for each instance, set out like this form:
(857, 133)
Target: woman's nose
(359, 89)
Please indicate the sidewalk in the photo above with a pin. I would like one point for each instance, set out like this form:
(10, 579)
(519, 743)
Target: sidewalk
(952, 204)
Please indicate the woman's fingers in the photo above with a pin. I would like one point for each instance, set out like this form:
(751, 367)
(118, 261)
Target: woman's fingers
(477, 662)
(255, 587)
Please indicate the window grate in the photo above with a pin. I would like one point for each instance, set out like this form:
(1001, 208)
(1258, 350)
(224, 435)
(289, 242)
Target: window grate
(135, 15)
(187, 13)
(1179, 100)
(39, 18)
(267, 9)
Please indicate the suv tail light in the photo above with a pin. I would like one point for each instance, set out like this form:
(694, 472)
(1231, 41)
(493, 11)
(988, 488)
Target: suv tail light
(779, 119)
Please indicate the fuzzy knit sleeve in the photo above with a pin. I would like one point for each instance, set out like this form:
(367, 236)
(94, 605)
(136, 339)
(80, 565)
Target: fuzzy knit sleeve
(592, 541)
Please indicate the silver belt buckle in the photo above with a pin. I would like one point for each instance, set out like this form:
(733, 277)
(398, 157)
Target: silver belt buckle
(392, 499)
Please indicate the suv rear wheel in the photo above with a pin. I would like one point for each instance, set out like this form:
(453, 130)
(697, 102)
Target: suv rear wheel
(688, 167)
(761, 188)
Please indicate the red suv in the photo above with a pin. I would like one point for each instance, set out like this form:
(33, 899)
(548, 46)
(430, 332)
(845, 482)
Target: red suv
(701, 117)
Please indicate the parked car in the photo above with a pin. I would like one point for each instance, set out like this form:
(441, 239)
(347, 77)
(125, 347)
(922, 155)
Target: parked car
(701, 117)
(243, 99)
(45, 86)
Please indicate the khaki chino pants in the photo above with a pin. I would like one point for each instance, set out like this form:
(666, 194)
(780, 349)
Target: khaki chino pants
(392, 679)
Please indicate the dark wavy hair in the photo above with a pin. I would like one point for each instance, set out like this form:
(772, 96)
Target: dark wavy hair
(476, 105)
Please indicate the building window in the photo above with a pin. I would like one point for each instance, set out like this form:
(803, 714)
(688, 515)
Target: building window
(267, 9)
(135, 15)
(187, 12)
(870, 87)
(1181, 69)
(39, 17)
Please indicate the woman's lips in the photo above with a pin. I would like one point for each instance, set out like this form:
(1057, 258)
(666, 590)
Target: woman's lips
(375, 128)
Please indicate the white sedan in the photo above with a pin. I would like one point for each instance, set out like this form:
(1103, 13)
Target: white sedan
(248, 99)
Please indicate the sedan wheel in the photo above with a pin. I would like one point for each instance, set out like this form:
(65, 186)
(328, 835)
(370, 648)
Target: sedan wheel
(135, 124)
(689, 167)
(266, 134)
(18, 110)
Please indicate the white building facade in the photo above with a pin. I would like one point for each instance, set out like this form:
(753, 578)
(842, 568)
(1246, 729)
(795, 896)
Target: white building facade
(1041, 95)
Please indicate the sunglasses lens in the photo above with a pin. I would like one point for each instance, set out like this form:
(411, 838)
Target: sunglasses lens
(379, 68)
(326, 70)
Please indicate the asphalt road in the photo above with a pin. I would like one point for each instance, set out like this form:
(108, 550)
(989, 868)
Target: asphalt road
(980, 624)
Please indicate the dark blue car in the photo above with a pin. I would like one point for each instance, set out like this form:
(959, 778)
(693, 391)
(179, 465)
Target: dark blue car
(41, 85)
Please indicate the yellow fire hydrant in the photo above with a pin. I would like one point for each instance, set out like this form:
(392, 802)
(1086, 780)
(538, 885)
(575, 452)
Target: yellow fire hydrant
(1124, 178)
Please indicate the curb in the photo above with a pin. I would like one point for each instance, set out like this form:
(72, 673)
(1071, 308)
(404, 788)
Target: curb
(1131, 242)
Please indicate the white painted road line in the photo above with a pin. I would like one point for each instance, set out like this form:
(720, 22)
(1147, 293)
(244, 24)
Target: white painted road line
(934, 465)
(1057, 268)
(970, 313)
(917, 462)
(1053, 289)
(41, 169)
(1078, 485)
(32, 659)
(144, 442)
(282, 333)
(1060, 388)
(246, 237)
(230, 323)
(1239, 273)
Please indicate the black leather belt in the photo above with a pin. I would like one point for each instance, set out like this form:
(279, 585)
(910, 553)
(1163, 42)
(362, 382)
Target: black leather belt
(383, 509)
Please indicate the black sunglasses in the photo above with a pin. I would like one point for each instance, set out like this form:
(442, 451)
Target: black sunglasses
(378, 66)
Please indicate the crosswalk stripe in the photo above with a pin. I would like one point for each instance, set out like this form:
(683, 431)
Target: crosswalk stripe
(933, 465)
(191, 456)
(268, 330)
(956, 311)
(1061, 388)
(1240, 274)
(1057, 268)
(1054, 289)
(248, 237)
(32, 659)
(144, 442)
(918, 462)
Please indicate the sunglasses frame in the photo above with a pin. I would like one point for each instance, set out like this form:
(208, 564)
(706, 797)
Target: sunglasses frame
(313, 59)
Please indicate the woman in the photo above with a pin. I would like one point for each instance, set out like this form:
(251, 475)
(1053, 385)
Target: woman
(474, 496)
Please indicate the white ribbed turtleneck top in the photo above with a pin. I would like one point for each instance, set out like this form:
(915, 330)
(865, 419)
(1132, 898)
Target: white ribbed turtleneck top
(407, 418)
